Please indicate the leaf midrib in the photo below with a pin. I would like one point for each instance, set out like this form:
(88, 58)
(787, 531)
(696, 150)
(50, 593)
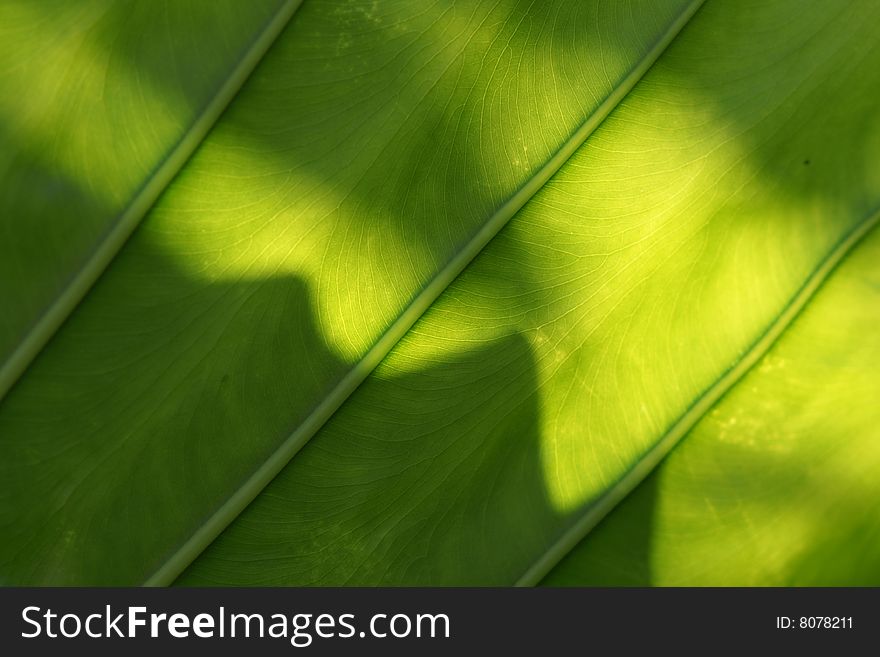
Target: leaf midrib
(152, 188)
(596, 510)
(247, 492)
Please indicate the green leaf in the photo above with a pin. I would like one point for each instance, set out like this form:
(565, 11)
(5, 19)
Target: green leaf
(629, 295)
(102, 103)
(778, 484)
(680, 182)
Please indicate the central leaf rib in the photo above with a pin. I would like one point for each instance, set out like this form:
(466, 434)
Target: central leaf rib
(271, 467)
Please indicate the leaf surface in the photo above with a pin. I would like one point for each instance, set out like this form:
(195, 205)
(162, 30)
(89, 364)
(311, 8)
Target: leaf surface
(681, 182)
(632, 292)
(369, 156)
(778, 485)
(101, 104)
